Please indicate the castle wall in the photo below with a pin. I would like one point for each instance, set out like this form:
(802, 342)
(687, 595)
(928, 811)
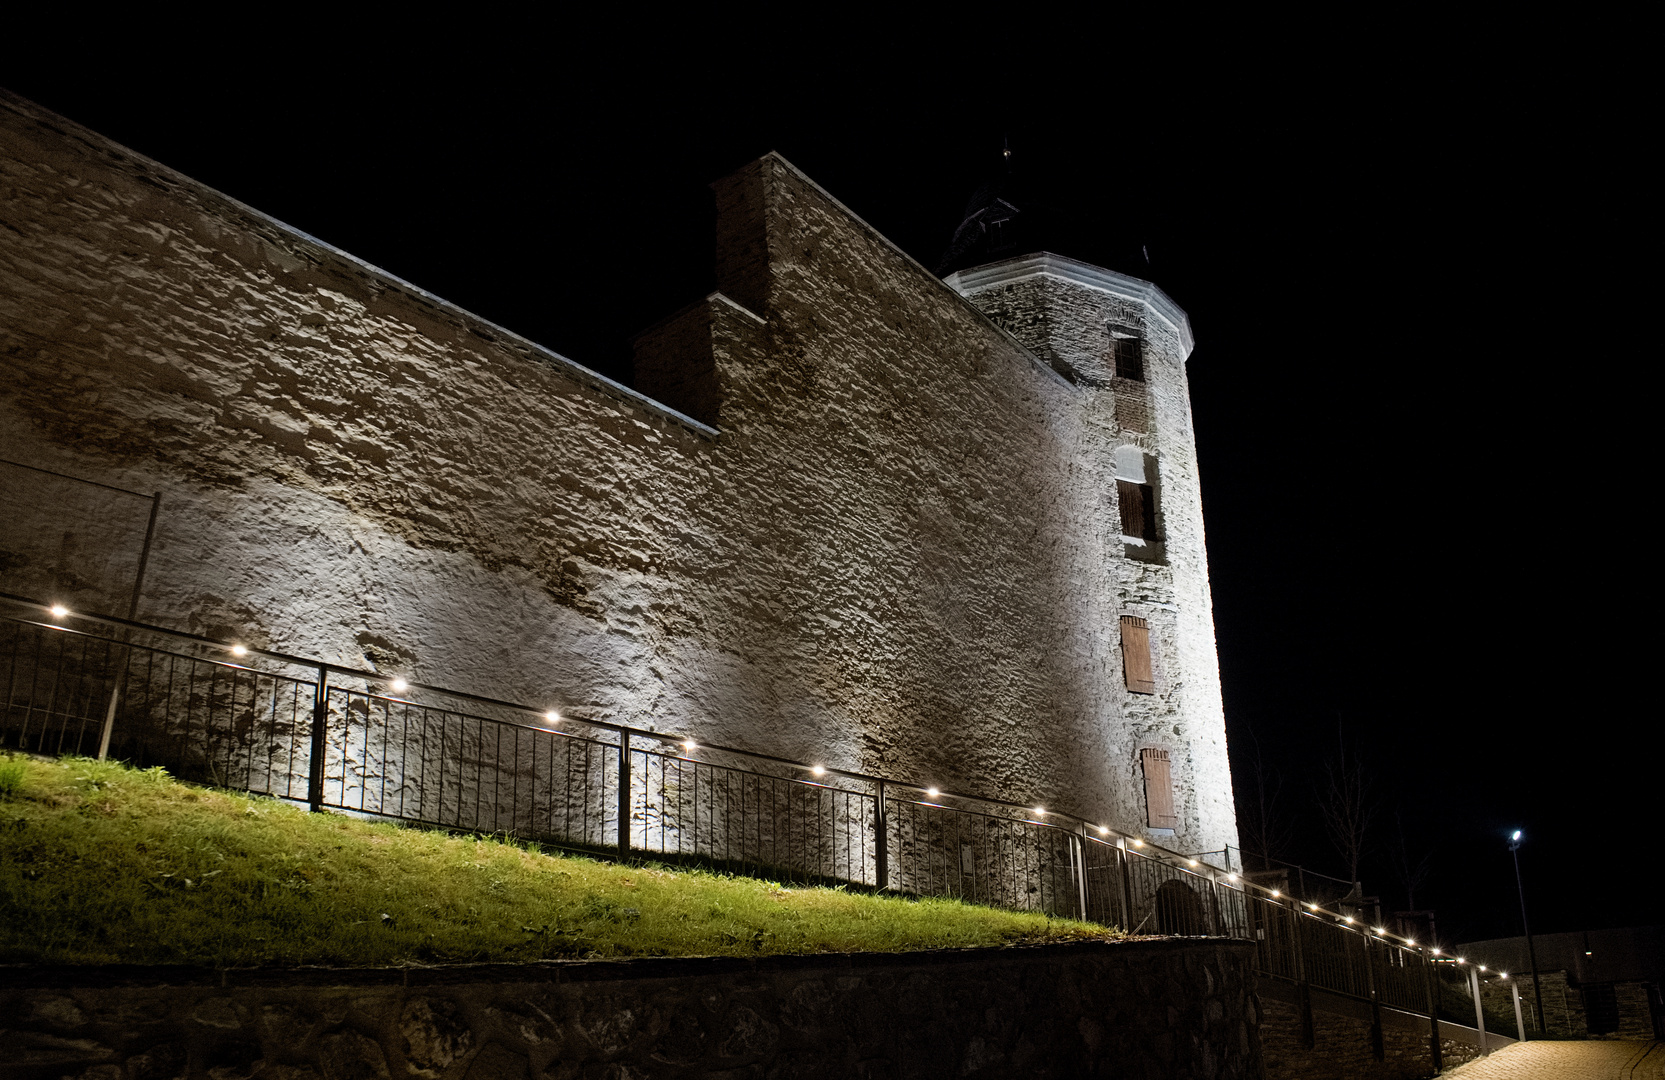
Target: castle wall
(881, 534)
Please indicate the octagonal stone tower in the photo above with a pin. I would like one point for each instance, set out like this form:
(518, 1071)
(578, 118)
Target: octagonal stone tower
(1124, 343)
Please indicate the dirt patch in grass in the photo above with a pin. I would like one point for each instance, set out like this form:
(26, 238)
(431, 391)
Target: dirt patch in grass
(101, 863)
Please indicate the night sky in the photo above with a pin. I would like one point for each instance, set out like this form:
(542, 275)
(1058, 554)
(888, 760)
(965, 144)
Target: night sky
(1417, 290)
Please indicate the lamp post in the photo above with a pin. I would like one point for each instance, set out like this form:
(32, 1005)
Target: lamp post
(1531, 956)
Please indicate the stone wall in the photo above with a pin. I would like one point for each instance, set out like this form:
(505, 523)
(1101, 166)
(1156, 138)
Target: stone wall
(880, 533)
(1343, 1047)
(1124, 1009)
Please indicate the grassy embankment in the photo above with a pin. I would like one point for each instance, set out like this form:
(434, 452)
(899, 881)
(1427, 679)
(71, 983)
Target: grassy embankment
(100, 863)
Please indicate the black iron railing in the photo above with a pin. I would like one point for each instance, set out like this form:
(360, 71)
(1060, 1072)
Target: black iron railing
(351, 740)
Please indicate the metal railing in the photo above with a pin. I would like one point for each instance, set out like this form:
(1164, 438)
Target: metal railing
(343, 739)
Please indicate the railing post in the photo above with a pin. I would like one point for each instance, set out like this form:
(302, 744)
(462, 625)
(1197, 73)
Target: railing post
(120, 681)
(624, 793)
(1079, 843)
(1378, 1047)
(315, 767)
(1435, 1051)
(1127, 884)
(881, 840)
(1520, 1021)
(1479, 1013)
(1303, 987)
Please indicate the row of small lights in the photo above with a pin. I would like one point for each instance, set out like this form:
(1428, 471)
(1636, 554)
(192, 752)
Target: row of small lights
(688, 745)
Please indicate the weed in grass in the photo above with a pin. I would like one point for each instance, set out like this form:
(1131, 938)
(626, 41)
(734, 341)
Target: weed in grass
(11, 777)
(100, 863)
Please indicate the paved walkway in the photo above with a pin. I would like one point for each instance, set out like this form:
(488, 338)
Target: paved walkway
(1567, 1061)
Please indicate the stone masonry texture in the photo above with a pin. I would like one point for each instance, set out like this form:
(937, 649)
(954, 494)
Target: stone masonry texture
(1169, 1009)
(862, 524)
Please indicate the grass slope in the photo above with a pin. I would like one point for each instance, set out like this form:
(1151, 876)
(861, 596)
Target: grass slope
(100, 863)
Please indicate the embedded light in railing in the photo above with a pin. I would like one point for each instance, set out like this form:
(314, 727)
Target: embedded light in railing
(59, 611)
(1348, 919)
(818, 770)
(1410, 942)
(1192, 862)
(400, 686)
(239, 650)
(552, 716)
(1104, 830)
(1436, 950)
(1482, 967)
(688, 745)
(1231, 877)
(1138, 843)
(931, 793)
(1040, 811)
(1460, 960)
(1312, 907)
(1380, 930)
(1276, 894)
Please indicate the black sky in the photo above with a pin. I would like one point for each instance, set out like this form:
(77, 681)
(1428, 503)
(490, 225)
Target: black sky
(1418, 285)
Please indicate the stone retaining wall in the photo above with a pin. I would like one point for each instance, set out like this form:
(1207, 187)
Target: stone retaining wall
(1342, 1046)
(1167, 1008)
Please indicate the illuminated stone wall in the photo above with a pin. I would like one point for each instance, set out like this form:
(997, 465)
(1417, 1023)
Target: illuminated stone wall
(881, 533)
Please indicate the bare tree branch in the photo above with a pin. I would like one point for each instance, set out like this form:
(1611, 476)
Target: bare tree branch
(1347, 806)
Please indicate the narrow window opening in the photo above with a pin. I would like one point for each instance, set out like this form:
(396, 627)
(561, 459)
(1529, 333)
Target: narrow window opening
(1136, 665)
(1159, 789)
(1138, 505)
(1129, 356)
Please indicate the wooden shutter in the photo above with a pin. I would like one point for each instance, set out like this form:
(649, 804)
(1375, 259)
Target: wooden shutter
(1159, 789)
(1138, 506)
(1136, 668)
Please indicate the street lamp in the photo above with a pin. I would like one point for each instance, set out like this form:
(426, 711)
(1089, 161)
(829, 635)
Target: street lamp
(1531, 956)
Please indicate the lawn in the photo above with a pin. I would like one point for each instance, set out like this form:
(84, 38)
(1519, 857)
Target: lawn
(101, 863)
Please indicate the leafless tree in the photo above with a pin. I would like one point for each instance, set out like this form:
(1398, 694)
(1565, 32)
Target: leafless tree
(1411, 874)
(1347, 805)
(1266, 828)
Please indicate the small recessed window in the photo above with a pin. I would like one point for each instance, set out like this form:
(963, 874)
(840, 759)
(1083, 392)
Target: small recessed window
(1135, 497)
(1128, 353)
(1136, 665)
(1159, 789)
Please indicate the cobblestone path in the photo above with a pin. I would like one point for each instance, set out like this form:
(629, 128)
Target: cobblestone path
(1567, 1061)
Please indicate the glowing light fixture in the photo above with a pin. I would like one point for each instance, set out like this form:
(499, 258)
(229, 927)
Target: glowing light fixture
(688, 745)
(1192, 862)
(1104, 830)
(932, 792)
(552, 716)
(59, 611)
(818, 770)
(1276, 894)
(1312, 907)
(239, 650)
(1040, 811)
(1482, 967)
(1380, 930)
(400, 686)
(1408, 941)
(1138, 843)
(1436, 950)
(1231, 877)
(1348, 919)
